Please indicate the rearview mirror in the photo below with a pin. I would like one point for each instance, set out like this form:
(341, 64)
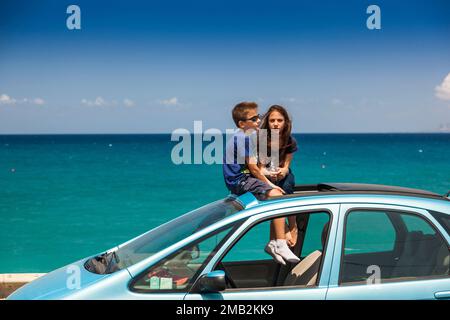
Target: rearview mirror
(211, 282)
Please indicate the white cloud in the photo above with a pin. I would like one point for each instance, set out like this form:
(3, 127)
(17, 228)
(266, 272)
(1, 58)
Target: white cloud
(443, 90)
(5, 99)
(98, 102)
(173, 104)
(169, 102)
(101, 102)
(128, 102)
(38, 101)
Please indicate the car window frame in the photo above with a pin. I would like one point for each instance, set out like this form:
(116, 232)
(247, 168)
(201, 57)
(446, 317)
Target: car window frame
(439, 216)
(386, 210)
(233, 225)
(258, 220)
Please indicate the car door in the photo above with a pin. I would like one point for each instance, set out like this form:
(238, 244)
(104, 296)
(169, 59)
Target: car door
(253, 271)
(389, 252)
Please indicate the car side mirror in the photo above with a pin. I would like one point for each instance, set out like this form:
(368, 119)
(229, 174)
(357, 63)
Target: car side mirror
(211, 282)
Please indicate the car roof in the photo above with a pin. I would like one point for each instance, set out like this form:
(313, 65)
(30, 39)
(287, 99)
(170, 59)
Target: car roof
(345, 189)
(361, 188)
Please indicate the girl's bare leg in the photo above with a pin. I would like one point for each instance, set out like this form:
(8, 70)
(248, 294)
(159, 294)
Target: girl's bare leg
(272, 231)
(270, 247)
(280, 249)
(279, 228)
(293, 231)
(289, 232)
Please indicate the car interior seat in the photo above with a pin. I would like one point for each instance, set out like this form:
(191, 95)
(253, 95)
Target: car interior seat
(179, 265)
(423, 255)
(306, 271)
(442, 261)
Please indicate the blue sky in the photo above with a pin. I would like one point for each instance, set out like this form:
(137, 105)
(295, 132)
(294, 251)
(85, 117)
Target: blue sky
(154, 66)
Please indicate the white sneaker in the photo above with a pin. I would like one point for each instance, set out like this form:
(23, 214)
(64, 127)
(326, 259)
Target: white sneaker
(282, 249)
(270, 249)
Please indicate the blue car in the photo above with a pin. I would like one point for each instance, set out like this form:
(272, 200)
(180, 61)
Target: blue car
(355, 241)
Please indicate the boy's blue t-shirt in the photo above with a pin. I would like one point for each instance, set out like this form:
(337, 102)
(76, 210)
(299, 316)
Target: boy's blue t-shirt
(238, 147)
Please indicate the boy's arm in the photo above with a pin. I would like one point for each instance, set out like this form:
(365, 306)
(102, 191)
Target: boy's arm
(263, 170)
(256, 172)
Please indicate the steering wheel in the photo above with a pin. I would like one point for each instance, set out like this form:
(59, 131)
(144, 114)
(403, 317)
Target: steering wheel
(229, 282)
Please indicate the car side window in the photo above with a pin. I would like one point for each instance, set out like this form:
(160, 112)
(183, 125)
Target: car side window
(316, 232)
(407, 248)
(248, 263)
(250, 246)
(369, 232)
(413, 223)
(177, 272)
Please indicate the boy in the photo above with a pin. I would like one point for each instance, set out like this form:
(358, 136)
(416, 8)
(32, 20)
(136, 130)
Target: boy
(240, 168)
(242, 174)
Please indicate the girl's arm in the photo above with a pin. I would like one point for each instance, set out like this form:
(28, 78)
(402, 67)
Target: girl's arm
(288, 160)
(284, 170)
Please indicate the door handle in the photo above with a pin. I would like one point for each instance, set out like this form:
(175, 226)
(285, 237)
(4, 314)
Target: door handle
(442, 295)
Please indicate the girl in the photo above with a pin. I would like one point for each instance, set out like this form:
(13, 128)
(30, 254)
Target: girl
(281, 234)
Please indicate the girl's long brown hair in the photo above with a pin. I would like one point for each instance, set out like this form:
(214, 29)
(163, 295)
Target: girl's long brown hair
(284, 134)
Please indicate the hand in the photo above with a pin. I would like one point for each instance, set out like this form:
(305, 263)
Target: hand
(292, 240)
(274, 175)
(277, 188)
(288, 236)
(282, 173)
(271, 175)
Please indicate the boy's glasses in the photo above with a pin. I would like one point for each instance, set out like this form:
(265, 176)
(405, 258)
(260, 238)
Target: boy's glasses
(254, 119)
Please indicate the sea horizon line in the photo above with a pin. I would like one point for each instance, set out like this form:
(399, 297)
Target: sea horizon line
(169, 133)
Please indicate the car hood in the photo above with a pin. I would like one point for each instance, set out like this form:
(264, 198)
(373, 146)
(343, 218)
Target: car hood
(59, 283)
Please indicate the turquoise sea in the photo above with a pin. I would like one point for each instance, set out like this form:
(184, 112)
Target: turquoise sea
(64, 197)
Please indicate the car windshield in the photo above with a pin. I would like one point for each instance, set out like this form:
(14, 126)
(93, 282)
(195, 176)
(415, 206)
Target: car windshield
(174, 231)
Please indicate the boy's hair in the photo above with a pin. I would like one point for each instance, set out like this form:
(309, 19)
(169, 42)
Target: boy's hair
(240, 111)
